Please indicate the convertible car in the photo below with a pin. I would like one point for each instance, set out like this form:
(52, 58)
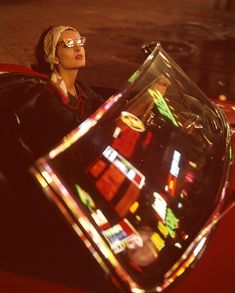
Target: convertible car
(126, 202)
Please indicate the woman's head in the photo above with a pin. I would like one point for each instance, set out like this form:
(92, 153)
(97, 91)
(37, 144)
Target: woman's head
(61, 48)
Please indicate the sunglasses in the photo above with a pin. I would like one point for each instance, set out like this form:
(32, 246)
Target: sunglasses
(70, 43)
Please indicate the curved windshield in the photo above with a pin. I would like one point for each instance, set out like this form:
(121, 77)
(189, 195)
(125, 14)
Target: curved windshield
(143, 175)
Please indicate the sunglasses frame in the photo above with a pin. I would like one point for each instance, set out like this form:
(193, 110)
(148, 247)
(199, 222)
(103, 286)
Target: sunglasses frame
(70, 43)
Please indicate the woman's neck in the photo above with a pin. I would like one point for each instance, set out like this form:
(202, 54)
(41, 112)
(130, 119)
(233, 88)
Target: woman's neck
(69, 78)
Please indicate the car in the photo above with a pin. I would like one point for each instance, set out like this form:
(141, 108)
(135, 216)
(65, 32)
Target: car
(142, 182)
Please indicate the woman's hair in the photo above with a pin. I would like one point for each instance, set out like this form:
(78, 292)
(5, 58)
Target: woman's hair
(46, 48)
(41, 65)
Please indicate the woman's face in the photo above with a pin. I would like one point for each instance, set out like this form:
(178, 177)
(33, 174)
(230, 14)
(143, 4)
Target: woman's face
(72, 55)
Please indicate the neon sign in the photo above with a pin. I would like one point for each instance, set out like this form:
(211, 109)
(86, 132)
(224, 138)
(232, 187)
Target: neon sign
(162, 105)
(124, 166)
(159, 205)
(133, 77)
(171, 222)
(122, 236)
(110, 182)
(158, 241)
(174, 170)
(125, 143)
(85, 198)
(100, 219)
(97, 168)
(130, 196)
(163, 229)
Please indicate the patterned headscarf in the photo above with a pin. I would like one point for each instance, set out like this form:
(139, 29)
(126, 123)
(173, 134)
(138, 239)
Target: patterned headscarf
(50, 43)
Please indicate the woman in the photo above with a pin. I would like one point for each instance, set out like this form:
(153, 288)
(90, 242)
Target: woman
(64, 102)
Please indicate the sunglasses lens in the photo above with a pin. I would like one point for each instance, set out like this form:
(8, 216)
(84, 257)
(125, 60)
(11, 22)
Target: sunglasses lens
(70, 43)
(81, 41)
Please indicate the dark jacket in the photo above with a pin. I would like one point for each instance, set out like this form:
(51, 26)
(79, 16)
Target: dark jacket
(54, 115)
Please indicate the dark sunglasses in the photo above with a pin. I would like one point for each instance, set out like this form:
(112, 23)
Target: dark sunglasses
(70, 43)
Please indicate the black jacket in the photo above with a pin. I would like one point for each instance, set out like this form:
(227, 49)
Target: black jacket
(53, 116)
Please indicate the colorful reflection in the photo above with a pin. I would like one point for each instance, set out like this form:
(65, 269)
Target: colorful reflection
(124, 166)
(139, 186)
(162, 105)
(122, 236)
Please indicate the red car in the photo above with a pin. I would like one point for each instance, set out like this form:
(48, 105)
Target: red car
(143, 181)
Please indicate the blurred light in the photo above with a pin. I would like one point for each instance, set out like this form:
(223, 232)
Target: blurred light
(222, 97)
(85, 198)
(148, 137)
(185, 236)
(133, 77)
(110, 154)
(138, 218)
(124, 166)
(116, 132)
(99, 218)
(171, 184)
(174, 170)
(199, 246)
(162, 106)
(158, 241)
(68, 140)
(183, 193)
(41, 180)
(137, 290)
(47, 177)
(177, 244)
(134, 207)
(189, 177)
(180, 205)
(192, 164)
(122, 235)
(163, 229)
(111, 101)
(159, 205)
(131, 174)
(171, 222)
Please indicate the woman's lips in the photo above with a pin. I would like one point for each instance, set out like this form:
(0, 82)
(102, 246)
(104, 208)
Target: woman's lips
(79, 57)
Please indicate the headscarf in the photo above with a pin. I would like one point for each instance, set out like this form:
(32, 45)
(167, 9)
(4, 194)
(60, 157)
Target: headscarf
(51, 41)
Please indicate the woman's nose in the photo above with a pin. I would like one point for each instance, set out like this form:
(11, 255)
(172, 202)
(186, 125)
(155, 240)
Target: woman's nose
(77, 47)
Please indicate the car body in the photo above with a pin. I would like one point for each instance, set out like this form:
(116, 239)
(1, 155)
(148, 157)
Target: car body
(143, 181)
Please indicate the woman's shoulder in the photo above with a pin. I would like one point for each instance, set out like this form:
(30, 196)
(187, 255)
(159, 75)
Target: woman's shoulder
(48, 97)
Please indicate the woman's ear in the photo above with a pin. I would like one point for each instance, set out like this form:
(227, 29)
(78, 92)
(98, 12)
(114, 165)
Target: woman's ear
(56, 60)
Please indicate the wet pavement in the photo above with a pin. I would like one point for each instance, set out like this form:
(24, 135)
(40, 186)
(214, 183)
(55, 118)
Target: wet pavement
(199, 35)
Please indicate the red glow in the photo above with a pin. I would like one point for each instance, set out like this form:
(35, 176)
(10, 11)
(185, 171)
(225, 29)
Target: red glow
(126, 142)
(136, 267)
(189, 177)
(171, 183)
(148, 137)
(110, 181)
(97, 168)
(130, 196)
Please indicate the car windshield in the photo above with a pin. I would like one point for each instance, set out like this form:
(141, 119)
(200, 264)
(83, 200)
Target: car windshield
(144, 173)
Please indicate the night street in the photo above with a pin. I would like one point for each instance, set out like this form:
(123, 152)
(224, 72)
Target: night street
(198, 34)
